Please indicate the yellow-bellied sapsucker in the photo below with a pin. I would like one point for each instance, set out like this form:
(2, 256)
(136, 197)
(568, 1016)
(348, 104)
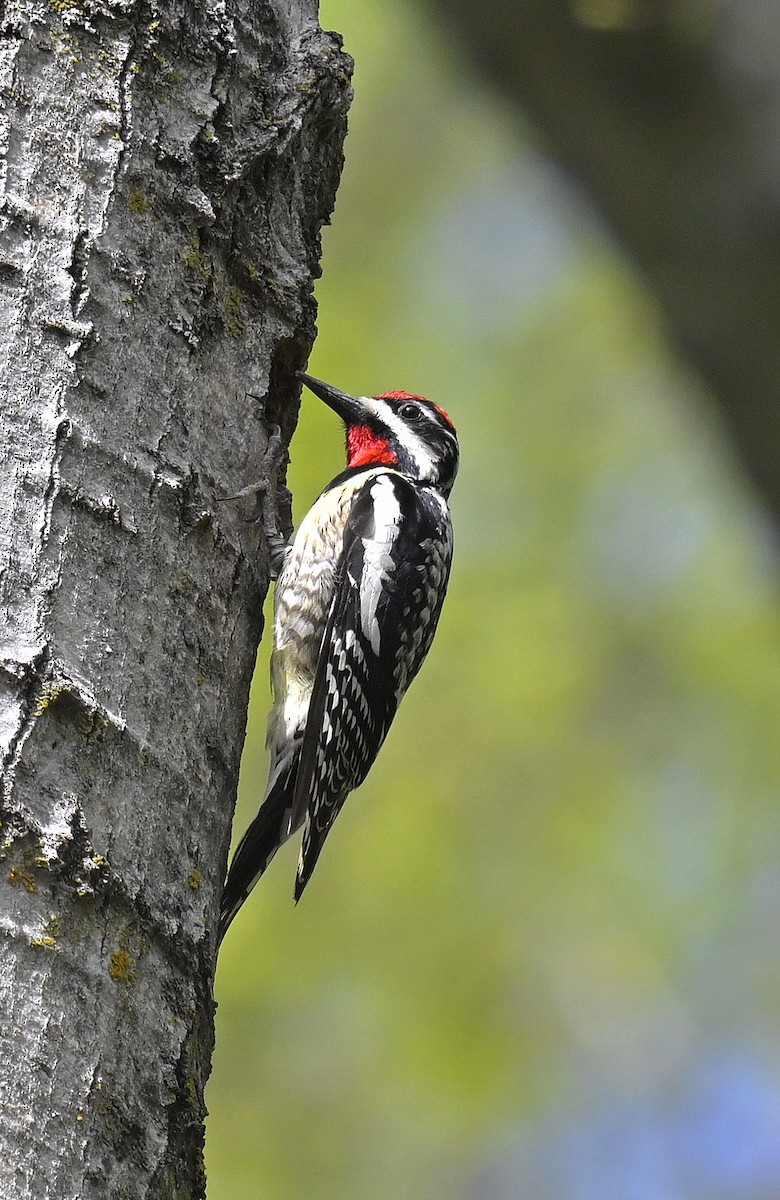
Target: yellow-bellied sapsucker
(357, 601)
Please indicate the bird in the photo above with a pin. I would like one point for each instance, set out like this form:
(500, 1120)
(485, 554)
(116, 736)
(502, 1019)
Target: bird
(359, 592)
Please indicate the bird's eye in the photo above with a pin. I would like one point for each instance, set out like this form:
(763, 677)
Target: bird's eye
(410, 412)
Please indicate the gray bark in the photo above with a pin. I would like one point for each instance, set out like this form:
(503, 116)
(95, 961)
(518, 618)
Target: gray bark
(670, 114)
(166, 169)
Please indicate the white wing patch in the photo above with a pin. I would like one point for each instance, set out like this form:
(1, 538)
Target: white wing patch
(377, 556)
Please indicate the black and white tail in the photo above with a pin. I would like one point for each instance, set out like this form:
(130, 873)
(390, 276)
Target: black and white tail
(270, 829)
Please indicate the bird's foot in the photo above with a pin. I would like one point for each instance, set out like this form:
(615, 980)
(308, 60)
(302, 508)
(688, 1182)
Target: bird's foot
(264, 494)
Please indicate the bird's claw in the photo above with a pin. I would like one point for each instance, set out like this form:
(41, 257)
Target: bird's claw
(264, 494)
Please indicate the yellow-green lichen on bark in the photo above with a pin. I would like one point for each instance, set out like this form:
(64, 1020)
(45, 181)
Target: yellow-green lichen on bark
(138, 203)
(120, 967)
(235, 324)
(19, 878)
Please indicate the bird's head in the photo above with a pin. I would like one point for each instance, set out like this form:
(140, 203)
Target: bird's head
(397, 429)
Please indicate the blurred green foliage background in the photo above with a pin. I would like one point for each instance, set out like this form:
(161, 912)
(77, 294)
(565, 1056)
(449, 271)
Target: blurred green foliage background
(539, 954)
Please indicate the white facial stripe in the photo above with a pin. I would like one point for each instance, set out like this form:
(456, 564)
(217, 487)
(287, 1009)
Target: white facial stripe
(420, 454)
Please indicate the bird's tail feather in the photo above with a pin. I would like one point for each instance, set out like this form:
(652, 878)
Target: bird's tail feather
(269, 830)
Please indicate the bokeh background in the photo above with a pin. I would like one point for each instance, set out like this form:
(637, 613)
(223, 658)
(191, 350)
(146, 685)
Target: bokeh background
(539, 956)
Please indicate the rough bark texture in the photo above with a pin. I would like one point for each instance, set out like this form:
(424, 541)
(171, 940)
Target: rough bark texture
(166, 170)
(671, 117)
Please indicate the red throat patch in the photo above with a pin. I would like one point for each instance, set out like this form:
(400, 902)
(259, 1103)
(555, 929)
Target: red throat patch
(364, 447)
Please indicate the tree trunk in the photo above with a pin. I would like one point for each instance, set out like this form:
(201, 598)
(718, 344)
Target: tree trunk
(669, 115)
(166, 171)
